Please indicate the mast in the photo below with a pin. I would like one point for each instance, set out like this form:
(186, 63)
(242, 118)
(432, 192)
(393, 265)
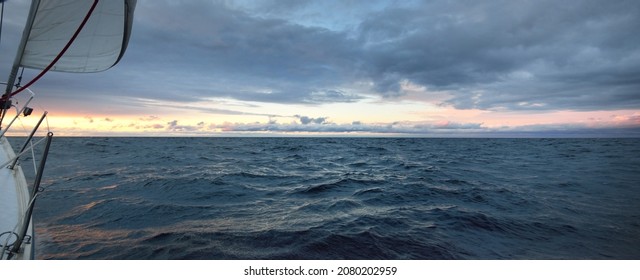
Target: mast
(23, 42)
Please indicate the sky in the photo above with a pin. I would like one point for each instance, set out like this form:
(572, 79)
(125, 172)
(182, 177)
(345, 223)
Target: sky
(356, 68)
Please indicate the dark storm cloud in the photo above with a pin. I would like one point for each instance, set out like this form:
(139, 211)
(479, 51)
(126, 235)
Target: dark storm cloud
(498, 55)
(558, 54)
(209, 49)
(576, 55)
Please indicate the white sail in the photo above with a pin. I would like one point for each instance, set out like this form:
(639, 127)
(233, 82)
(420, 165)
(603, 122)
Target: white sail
(100, 44)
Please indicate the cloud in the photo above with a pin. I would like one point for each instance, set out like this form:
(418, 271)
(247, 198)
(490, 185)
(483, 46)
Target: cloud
(508, 54)
(173, 126)
(487, 54)
(308, 120)
(320, 125)
(225, 52)
(490, 55)
(149, 118)
(435, 129)
(154, 126)
(622, 124)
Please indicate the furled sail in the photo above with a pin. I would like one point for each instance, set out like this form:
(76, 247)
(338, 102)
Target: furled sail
(52, 23)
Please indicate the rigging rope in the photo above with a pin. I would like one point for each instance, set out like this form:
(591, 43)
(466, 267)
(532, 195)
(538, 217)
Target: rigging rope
(66, 47)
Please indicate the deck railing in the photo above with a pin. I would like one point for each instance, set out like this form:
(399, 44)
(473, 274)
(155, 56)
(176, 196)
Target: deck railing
(21, 229)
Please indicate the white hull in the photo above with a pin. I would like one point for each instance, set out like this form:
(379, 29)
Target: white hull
(14, 202)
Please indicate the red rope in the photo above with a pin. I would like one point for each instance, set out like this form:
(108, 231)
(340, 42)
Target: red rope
(66, 47)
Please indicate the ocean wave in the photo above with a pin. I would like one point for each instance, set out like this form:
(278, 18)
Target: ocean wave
(306, 198)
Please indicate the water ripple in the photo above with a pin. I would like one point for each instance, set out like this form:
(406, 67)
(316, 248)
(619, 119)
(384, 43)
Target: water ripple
(340, 198)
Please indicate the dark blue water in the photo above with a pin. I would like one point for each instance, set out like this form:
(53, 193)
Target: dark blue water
(340, 198)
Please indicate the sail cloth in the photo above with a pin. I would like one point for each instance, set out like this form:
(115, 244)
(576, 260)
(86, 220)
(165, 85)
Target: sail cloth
(98, 47)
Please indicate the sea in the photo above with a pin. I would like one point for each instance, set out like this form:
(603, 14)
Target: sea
(338, 198)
